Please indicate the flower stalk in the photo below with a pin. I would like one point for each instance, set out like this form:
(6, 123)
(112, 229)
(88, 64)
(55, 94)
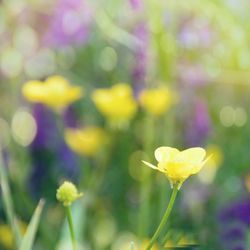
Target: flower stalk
(165, 218)
(67, 193)
(71, 228)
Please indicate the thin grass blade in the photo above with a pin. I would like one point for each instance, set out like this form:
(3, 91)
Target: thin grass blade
(29, 237)
(8, 204)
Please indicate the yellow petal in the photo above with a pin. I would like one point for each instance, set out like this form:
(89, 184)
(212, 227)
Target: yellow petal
(33, 91)
(122, 90)
(191, 155)
(75, 93)
(116, 103)
(164, 154)
(156, 101)
(85, 141)
(57, 81)
(150, 165)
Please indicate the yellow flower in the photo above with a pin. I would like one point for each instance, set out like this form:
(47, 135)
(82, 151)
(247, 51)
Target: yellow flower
(67, 193)
(6, 236)
(145, 243)
(170, 244)
(85, 141)
(178, 165)
(185, 241)
(116, 103)
(247, 181)
(208, 173)
(157, 101)
(216, 155)
(56, 92)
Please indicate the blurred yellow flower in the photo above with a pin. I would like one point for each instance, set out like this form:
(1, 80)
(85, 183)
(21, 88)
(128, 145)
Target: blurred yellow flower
(247, 181)
(182, 242)
(157, 101)
(6, 237)
(185, 241)
(169, 244)
(216, 155)
(208, 173)
(56, 92)
(145, 243)
(116, 103)
(86, 141)
(178, 165)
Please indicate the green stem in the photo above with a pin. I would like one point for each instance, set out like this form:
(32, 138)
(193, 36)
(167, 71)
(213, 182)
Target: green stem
(8, 204)
(71, 229)
(165, 218)
(145, 187)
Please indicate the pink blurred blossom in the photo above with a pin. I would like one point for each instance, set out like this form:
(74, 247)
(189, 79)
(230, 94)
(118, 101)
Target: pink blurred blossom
(70, 23)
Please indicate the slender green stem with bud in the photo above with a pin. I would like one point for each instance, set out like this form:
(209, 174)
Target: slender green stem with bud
(165, 218)
(68, 193)
(71, 229)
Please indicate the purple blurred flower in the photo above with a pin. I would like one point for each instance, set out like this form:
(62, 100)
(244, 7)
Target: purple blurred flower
(70, 118)
(67, 160)
(46, 127)
(70, 23)
(238, 248)
(199, 124)
(234, 233)
(195, 33)
(234, 221)
(238, 211)
(50, 156)
(141, 57)
(192, 75)
(136, 4)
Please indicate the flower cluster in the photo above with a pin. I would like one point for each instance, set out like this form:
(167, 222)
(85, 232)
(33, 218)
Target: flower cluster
(117, 103)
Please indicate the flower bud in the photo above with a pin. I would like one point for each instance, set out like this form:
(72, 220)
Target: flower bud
(67, 193)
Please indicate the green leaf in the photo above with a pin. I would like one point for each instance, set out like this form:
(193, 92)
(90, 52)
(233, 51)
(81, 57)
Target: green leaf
(8, 204)
(29, 237)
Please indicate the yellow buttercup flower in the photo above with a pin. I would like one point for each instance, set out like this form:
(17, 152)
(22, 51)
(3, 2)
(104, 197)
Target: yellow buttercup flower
(56, 92)
(86, 141)
(116, 103)
(157, 101)
(178, 165)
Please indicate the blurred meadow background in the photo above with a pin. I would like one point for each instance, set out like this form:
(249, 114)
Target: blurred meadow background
(88, 89)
